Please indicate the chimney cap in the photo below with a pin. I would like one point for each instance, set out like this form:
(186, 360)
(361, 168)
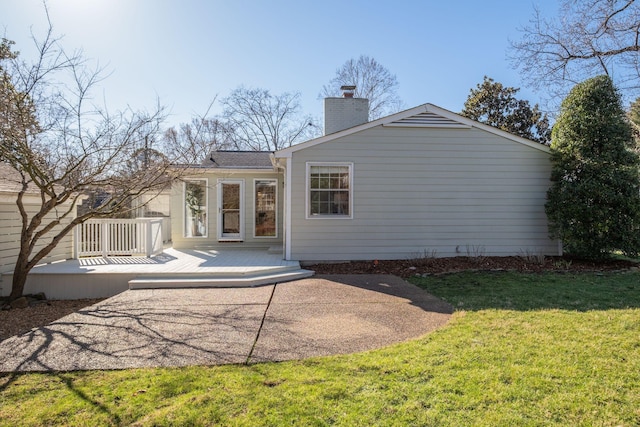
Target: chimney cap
(348, 91)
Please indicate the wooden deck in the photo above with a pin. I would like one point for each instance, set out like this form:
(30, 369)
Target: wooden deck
(103, 277)
(175, 261)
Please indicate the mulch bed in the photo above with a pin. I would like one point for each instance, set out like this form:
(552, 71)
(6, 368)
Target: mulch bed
(427, 266)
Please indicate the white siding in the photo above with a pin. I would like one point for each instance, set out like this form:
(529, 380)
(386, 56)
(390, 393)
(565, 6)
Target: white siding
(418, 190)
(10, 228)
(177, 212)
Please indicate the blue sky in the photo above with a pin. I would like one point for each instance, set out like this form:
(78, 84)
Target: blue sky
(186, 52)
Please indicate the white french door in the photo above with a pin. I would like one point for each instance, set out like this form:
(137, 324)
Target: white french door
(230, 209)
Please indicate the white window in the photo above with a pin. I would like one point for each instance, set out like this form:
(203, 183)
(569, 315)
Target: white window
(265, 200)
(329, 190)
(195, 208)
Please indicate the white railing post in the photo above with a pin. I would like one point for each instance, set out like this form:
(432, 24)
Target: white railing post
(76, 238)
(104, 238)
(149, 236)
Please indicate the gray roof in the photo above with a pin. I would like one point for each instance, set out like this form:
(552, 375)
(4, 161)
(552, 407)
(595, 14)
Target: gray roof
(10, 180)
(239, 160)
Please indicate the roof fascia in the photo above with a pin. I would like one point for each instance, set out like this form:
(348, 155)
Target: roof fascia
(202, 170)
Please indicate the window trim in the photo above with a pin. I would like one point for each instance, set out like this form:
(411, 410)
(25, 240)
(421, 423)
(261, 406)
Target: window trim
(184, 207)
(255, 180)
(308, 191)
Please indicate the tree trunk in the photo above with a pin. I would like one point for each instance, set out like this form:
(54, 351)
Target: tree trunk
(17, 288)
(19, 277)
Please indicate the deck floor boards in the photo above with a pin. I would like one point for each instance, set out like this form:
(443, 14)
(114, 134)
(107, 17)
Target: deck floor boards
(175, 261)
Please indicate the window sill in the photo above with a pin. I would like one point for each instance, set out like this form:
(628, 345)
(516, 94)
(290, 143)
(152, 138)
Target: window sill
(329, 217)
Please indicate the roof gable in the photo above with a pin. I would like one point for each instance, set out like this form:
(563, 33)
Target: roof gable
(422, 116)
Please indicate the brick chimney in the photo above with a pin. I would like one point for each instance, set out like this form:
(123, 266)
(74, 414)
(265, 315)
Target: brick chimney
(343, 113)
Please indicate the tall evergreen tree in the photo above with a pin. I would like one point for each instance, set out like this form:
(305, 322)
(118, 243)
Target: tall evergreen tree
(593, 204)
(496, 105)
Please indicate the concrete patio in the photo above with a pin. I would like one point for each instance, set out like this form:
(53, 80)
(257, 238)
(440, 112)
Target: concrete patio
(179, 327)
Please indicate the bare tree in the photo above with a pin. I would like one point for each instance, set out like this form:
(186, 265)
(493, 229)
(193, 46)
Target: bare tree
(260, 121)
(586, 39)
(633, 116)
(373, 82)
(193, 142)
(59, 146)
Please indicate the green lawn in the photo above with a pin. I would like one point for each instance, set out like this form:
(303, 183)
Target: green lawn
(552, 349)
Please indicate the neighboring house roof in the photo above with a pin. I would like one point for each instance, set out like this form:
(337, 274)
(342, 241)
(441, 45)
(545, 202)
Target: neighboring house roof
(10, 181)
(422, 116)
(239, 160)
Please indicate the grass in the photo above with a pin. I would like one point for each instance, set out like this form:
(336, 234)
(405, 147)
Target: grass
(549, 349)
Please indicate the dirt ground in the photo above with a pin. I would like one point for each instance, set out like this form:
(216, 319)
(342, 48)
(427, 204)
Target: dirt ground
(20, 320)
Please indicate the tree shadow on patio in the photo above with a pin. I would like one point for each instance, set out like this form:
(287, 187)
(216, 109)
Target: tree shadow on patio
(147, 331)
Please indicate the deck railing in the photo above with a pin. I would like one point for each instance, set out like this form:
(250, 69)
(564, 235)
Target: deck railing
(119, 237)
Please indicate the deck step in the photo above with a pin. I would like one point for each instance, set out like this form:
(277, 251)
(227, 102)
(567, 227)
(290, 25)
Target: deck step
(201, 281)
(222, 272)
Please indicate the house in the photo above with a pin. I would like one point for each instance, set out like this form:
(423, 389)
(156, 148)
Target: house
(422, 181)
(11, 223)
(233, 199)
